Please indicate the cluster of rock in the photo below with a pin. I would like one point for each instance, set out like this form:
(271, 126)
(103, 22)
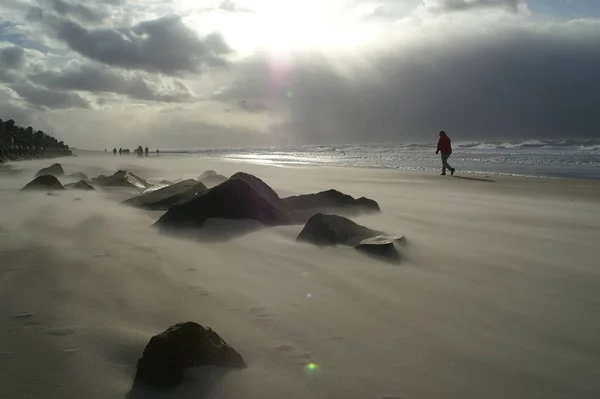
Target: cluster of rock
(18, 143)
(189, 204)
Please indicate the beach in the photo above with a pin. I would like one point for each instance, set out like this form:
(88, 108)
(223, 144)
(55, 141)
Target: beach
(497, 295)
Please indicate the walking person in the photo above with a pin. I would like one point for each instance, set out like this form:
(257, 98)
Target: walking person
(146, 151)
(445, 147)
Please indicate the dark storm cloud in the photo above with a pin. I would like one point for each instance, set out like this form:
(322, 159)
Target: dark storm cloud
(49, 99)
(102, 79)
(11, 57)
(163, 45)
(75, 10)
(466, 5)
(515, 83)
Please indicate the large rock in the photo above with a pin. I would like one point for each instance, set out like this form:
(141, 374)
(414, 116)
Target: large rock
(80, 185)
(328, 202)
(242, 196)
(166, 197)
(169, 354)
(54, 170)
(122, 178)
(46, 182)
(210, 178)
(325, 230)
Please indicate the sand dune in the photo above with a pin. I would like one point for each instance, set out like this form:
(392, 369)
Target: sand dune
(498, 297)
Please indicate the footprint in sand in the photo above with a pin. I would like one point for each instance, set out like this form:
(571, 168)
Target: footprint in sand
(197, 290)
(260, 314)
(62, 331)
(25, 315)
(190, 269)
(285, 348)
(392, 397)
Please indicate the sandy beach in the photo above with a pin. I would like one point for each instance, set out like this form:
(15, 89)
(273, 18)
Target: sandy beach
(498, 295)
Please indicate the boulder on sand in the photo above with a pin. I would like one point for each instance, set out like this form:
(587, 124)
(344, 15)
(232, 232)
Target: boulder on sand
(80, 185)
(122, 178)
(325, 230)
(210, 178)
(45, 182)
(166, 197)
(53, 170)
(169, 354)
(330, 201)
(381, 247)
(242, 196)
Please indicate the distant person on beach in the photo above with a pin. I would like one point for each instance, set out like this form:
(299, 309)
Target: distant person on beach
(157, 152)
(146, 151)
(445, 147)
(114, 151)
(120, 151)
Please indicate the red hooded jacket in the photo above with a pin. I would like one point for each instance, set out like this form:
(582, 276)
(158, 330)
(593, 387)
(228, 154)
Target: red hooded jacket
(444, 145)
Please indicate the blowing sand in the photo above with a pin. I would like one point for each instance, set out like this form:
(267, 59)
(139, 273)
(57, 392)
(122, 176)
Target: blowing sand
(499, 296)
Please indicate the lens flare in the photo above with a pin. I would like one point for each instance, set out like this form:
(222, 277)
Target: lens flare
(311, 367)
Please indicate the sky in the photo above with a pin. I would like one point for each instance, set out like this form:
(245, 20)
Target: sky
(176, 74)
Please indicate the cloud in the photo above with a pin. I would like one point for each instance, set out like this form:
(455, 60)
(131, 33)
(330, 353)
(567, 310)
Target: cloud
(518, 81)
(164, 45)
(468, 5)
(101, 79)
(77, 11)
(49, 99)
(231, 6)
(12, 57)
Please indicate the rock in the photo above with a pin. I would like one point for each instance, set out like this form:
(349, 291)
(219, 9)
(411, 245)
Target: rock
(210, 178)
(54, 170)
(169, 354)
(242, 196)
(325, 230)
(46, 182)
(80, 185)
(330, 201)
(122, 178)
(165, 197)
(382, 247)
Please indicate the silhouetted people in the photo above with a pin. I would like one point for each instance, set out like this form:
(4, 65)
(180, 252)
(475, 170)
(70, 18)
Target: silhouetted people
(105, 150)
(114, 151)
(146, 151)
(157, 152)
(120, 151)
(139, 151)
(445, 147)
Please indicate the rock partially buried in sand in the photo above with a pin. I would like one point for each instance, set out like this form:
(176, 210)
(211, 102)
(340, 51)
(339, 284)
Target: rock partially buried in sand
(46, 182)
(331, 200)
(169, 354)
(122, 178)
(242, 196)
(166, 197)
(210, 178)
(53, 170)
(382, 247)
(80, 185)
(325, 230)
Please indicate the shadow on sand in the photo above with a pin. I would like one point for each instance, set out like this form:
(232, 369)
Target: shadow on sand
(474, 179)
(199, 383)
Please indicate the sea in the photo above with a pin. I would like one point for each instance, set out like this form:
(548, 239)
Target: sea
(536, 158)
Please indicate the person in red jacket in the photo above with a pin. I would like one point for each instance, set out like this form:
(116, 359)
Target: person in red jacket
(445, 147)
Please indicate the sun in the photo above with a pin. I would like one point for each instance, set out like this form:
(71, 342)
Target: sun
(284, 26)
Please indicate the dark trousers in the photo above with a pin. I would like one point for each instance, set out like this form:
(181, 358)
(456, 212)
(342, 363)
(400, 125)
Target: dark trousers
(445, 164)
